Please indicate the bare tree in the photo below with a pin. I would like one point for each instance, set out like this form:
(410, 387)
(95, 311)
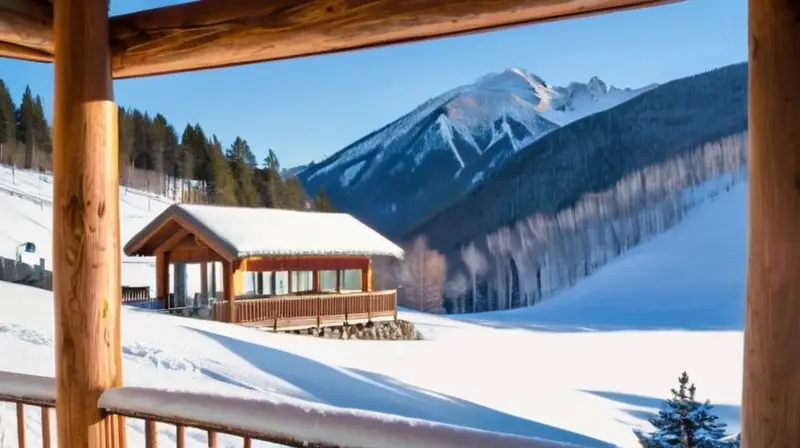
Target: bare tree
(476, 265)
(422, 275)
(456, 288)
(553, 251)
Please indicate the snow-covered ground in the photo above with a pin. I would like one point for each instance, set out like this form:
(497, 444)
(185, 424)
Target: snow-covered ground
(30, 219)
(585, 367)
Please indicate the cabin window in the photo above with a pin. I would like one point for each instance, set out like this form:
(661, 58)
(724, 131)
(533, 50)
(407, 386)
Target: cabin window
(327, 281)
(351, 280)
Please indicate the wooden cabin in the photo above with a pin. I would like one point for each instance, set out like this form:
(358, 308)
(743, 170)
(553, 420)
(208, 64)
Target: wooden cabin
(89, 50)
(305, 268)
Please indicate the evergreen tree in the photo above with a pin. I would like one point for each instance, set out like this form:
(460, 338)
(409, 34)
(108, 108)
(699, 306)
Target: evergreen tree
(269, 182)
(8, 123)
(294, 198)
(25, 126)
(41, 128)
(221, 183)
(686, 423)
(239, 156)
(322, 203)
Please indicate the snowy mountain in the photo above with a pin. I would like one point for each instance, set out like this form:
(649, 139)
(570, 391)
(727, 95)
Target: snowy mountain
(440, 150)
(593, 154)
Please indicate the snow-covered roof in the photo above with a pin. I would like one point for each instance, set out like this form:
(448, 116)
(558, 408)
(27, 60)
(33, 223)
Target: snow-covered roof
(245, 231)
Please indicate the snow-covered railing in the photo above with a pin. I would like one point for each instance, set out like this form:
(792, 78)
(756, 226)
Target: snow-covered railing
(293, 423)
(311, 310)
(29, 390)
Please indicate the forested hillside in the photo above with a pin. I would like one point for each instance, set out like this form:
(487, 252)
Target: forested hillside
(191, 165)
(579, 197)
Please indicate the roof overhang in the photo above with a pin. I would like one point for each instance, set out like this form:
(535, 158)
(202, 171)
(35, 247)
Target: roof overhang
(218, 33)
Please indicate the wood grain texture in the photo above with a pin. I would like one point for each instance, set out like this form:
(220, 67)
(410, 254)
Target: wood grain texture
(28, 54)
(26, 30)
(218, 33)
(86, 284)
(771, 387)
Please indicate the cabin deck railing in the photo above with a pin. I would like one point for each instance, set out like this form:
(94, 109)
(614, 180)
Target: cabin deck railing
(291, 423)
(304, 311)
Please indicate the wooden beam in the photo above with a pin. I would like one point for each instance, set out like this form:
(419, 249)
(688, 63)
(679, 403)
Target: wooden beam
(771, 386)
(173, 240)
(28, 54)
(218, 33)
(86, 247)
(26, 30)
(271, 264)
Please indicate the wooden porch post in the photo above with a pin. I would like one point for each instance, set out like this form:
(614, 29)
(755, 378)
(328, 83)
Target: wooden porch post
(162, 277)
(228, 288)
(771, 387)
(204, 282)
(86, 246)
(214, 279)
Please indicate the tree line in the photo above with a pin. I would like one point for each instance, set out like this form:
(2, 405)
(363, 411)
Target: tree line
(524, 263)
(544, 253)
(191, 166)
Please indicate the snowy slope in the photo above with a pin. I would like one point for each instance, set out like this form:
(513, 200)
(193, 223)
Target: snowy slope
(30, 218)
(445, 146)
(556, 370)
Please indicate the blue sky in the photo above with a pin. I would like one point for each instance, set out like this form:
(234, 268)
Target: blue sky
(307, 109)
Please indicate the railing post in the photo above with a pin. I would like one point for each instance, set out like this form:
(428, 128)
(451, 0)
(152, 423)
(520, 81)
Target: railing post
(86, 246)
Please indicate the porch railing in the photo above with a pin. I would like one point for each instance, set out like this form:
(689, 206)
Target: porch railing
(293, 424)
(287, 312)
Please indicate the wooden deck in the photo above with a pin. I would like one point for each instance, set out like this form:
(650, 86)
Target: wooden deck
(291, 312)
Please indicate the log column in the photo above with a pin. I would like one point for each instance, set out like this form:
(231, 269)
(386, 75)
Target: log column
(204, 283)
(228, 289)
(771, 387)
(86, 246)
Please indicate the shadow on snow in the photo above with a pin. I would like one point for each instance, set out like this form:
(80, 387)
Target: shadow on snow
(353, 388)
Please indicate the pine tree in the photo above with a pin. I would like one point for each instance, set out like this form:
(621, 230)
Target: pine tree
(221, 184)
(686, 423)
(41, 128)
(8, 124)
(294, 197)
(269, 182)
(239, 156)
(322, 203)
(25, 126)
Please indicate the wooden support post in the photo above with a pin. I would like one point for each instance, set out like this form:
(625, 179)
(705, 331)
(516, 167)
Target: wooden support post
(204, 282)
(315, 281)
(214, 279)
(86, 246)
(290, 285)
(771, 386)
(366, 277)
(273, 280)
(162, 277)
(228, 289)
(338, 281)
